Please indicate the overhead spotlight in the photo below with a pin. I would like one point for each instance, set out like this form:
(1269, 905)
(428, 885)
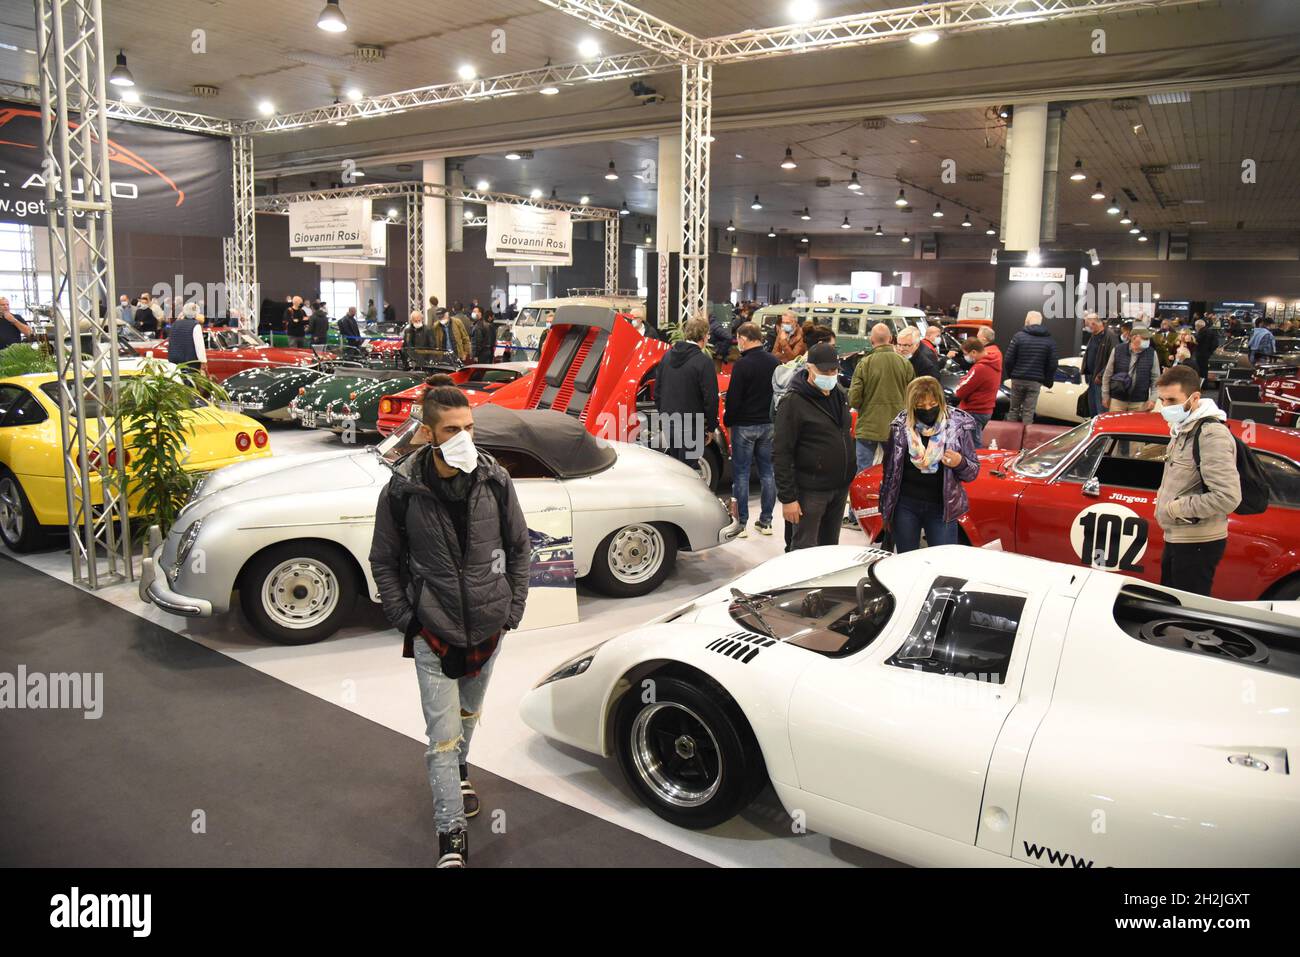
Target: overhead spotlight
(1078, 175)
(803, 238)
(990, 231)
(588, 48)
(965, 220)
(1113, 208)
(756, 204)
(331, 19)
(392, 212)
(1134, 229)
(707, 138)
(845, 224)
(612, 173)
(469, 214)
(549, 90)
(788, 162)
(130, 96)
(925, 38)
(354, 94)
(534, 193)
(734, 249)
(771, 232)
(466, 72)
(879, 231)
(801, 11)
(266, 108)
(1097, 194)
(1142, 237)
(906, 238)
(624, 211)
(121, 76)
(731, 226)
(1005, 112)
(1155, 295)
(583, 201)
(1126, 218)
(648, 238)
(902, 200)
(514, 155)
(853, 182)
(938, 212)
(482, 186)
(1032, 258)
(805, 215)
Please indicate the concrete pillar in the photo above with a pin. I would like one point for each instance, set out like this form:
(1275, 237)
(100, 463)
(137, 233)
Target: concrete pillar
(435, 233)
(1022, 187)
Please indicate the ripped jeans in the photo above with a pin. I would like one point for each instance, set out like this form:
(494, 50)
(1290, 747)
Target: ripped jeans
(451, 712)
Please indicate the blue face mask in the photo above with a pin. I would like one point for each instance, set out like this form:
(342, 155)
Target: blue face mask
(1175, 414)
(825, 382)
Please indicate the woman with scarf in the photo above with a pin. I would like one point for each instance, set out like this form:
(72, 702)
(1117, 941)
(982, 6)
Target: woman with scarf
(929, 456)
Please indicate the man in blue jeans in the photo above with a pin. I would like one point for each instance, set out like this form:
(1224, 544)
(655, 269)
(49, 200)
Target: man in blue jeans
(749, 417)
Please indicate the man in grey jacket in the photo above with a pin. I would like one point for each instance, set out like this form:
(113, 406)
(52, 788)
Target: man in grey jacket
(450, 556)
(1194, 502)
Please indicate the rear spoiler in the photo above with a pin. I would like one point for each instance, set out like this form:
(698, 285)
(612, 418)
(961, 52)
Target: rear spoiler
(601, 317)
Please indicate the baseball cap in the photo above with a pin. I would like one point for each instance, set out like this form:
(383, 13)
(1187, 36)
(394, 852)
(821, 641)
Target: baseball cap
(823, 356)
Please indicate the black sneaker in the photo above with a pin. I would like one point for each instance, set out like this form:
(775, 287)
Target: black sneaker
(453, 849)
(468, 796)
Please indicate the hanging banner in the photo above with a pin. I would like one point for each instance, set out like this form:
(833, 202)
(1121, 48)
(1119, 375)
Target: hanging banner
(161, 181)
(528, 236)
(376, 254)
(330, 227)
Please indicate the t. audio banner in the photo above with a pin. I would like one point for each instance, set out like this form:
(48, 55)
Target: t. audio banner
(162, 181)
(330, 227)
(528, 235)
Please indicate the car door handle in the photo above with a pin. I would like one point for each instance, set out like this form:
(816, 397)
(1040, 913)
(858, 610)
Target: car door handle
(1261, 759)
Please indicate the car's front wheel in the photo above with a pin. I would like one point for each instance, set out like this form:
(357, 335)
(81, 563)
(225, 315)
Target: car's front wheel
(711, 467)
(18, 525)
(634, 560)
(687, 751)
(299, 592)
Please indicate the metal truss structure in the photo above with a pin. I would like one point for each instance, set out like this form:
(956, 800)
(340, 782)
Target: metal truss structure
(241, 280)
(641, 28)
(697, 125)
(613, 229)
(415, 250)
(71, 59)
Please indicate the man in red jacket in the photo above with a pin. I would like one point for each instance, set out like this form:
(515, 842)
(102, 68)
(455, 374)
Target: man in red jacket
(977, 393)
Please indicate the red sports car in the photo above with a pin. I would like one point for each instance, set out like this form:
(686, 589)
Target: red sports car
(1090, 492)
(1281, 389)
(231, 351)
(479, 382)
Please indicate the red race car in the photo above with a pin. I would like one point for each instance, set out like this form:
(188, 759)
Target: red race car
(1280, 388)
(1090, 492)
(231, 351)
(479, 382)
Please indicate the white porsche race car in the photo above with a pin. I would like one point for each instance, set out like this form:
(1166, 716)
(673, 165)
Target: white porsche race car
(910, 705)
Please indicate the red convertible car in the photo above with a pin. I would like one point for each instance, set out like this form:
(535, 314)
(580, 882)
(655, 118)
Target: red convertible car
(231, 351)
(479, 382)
(1087, 497)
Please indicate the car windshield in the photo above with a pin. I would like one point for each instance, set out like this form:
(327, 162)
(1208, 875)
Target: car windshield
(234, 339)
(1044, 460)
(400, 442)
(831, 619)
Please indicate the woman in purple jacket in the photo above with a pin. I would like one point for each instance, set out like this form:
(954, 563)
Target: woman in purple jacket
(930, 454)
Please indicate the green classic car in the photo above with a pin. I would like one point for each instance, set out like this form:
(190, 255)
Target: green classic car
(266, 393)
(349, 397)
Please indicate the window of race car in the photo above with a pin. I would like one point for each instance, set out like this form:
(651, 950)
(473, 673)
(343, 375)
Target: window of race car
(964, 629)
(834, 620)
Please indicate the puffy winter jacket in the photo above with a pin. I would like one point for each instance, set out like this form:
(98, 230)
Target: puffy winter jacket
(462, 597)
(1031, 356)
(959, 434)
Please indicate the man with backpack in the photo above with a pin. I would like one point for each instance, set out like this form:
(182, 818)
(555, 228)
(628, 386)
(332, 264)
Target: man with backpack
(1200, 486)
(450, 557)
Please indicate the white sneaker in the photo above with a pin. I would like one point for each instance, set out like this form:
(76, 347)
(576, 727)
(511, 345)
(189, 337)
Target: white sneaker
(744, 533)
(763, 529)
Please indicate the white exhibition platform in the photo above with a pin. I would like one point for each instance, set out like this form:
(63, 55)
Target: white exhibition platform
(361, 669)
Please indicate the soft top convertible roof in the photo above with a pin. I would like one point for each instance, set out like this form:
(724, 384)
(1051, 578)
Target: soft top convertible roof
(558, 441)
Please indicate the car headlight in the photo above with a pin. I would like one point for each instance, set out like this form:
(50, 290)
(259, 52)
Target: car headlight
(572, 667)
(187, 543)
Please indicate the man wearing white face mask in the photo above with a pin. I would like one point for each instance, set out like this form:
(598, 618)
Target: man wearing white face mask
(1200, 486)
(1129, 381)
(450, 557)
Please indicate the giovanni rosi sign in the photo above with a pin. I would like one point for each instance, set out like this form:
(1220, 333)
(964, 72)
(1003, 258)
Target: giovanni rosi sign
(162, 181)
(528, 235)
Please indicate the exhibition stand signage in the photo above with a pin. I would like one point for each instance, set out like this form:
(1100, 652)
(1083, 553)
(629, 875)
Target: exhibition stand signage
(528, 236)
(330, 227)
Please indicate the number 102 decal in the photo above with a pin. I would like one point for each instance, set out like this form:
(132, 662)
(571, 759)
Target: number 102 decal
(1110, 537)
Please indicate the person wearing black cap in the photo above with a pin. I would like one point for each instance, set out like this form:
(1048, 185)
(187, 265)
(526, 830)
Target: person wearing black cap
(813, 450)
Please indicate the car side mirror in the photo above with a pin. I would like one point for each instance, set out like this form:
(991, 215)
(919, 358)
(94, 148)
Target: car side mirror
(1092, 487)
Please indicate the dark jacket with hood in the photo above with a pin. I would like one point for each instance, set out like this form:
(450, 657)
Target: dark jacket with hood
(686, 382)
(1031, 356)
(463, 598)
(349, 332)
(813, 448)
(925, 361)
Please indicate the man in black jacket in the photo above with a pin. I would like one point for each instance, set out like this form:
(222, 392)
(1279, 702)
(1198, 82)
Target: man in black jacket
(1030, 364)
(749, 417)
(686, 396)
(319, 325)
(295, 323)
(813, 450)
(924, 360)
(1207, 341)
(1097, 353)
(349, 330)
(450, 557)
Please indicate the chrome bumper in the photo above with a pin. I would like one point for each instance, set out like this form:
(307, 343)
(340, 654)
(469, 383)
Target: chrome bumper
(730, 532)
(155, 589)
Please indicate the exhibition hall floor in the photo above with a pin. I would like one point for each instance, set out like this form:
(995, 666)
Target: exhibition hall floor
(306, 780)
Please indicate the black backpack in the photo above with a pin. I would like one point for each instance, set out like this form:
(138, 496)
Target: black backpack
(1254, 484)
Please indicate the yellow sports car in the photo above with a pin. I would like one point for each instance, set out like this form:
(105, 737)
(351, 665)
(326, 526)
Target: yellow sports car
(32, 495)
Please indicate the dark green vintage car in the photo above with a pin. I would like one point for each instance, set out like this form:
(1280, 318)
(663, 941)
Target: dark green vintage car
(266, 393)
(349, 398)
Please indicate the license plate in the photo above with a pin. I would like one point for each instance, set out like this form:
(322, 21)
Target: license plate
(250, 407)
(309, 419)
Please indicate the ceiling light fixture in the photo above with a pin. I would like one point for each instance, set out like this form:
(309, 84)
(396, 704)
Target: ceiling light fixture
(392, 212)
(534, 193)
(902, 200)
(1113, 208)
(734, 249)
(588, 48)
(731, 226)
(121, 76)
(801, 11)
(584, 200)
(938, 212)
(788, 162)
(648, 238)
(625, 211)
(805, 215)
(513, 155)
(1142, 237)
(771, 232)
(756, 204)
(1134, 229)
(1078, 175)
(853, 182)
(990, 231)
(1097, 194)
(354, 94)
(612, 174)
(331, 19)
(906, 238)
(469, 214)
(803, 238)
(925, 38)
(845, 224)
(1126, 218)
(549, 90)
(466, 72)
(879, 231)
(266, 108)
(965, 220)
